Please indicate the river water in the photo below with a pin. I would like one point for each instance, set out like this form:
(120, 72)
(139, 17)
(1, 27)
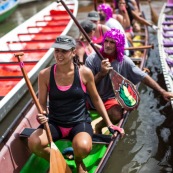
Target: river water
(146, 147)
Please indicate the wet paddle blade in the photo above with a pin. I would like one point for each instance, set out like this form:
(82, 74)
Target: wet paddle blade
(57, 161)
(125, 91)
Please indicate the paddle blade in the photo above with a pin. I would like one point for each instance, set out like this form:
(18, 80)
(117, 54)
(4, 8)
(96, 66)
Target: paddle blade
(57, 161)
(154, 15)
(125, 91)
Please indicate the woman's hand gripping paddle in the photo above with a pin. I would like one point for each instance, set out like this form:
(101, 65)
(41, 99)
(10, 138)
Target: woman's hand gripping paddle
(57, 161)
(125, 91)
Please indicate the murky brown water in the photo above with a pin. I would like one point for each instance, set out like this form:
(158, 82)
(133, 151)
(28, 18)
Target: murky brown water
(146, 148)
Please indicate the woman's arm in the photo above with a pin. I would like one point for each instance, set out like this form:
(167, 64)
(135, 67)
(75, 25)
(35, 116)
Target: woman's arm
(43, 83)
(88, 79)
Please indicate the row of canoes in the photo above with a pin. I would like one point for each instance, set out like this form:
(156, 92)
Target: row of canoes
(14, 155)
(165, 43)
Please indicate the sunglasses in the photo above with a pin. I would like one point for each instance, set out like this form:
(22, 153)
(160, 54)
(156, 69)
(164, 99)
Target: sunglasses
(63, 40)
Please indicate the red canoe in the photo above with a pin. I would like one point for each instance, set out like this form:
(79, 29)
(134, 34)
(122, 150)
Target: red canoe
(34, 37)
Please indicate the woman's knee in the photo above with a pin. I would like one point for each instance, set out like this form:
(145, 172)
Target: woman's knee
(82, 144)
(37, 141)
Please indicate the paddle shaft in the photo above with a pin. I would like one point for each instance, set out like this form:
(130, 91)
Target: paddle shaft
(140, 47)
(39, 108)
(112, 73)
(95, 5)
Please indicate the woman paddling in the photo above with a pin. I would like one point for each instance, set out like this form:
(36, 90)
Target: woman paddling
(66, 83)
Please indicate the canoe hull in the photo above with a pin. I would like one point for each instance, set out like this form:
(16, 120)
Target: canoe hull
(7, 8)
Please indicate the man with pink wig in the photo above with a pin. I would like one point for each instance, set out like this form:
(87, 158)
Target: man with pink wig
(113, 52)
(106, 18)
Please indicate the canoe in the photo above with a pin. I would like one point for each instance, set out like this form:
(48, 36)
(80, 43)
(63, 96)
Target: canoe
(27, 1)
(14, 151)
(165, 44)
(34, 37)
(7, 7)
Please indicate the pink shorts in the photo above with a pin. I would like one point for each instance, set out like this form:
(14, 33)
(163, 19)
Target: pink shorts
(110, 102)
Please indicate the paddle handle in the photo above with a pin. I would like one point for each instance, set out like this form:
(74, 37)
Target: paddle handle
(81, 29)
(95, 5)
(140, 47)
(32, 92)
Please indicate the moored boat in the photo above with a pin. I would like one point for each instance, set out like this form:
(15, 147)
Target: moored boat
(27, 1)
(7, 7)
(102, 144)
(34, 37)
(165, 44)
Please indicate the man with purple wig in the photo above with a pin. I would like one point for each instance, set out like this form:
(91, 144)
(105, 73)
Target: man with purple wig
(106, 18)
(113, 52)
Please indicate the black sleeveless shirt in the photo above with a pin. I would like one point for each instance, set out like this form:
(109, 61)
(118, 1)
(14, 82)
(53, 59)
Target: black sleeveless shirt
(67, 108)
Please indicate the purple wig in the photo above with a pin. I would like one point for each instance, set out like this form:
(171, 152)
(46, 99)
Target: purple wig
(106, 9)
(119, 39)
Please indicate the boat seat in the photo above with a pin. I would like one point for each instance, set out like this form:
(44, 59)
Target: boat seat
(169, 5)
(167, 23)
(23, 50)
(10, 77)
(17, 63)
(97, 138)
(169, 52)
(168, 29)
(168, 44)
(136, 59)
(169, 16)
(167, 35)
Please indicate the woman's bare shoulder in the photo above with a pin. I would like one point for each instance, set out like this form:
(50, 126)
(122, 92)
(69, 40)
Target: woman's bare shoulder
(45, 72)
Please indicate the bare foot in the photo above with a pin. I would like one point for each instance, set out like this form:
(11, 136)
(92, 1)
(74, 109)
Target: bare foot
(81, 167)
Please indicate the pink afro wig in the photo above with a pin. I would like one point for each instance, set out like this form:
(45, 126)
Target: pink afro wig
(106, 9)
(119, 39)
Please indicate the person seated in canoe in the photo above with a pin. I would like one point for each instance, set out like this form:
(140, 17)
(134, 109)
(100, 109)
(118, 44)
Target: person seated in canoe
(100, 29)
(66, 83)
(113, 52)
(106, 18)
(83, 48)
(126, 12)
(122, 16)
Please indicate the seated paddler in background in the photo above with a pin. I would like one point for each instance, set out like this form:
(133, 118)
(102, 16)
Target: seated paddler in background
(65, 83)
(100, 29)
(113, 52)
(106, 18)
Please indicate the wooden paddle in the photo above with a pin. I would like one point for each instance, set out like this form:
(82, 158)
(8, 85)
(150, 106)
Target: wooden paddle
(154, 15)
(140, 47)
(125, 91)
(57, 161)
(95, 5)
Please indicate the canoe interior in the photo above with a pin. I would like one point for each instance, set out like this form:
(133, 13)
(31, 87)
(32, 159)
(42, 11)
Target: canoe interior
(38, 165)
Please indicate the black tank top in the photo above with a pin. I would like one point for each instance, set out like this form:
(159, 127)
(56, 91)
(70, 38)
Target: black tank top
(67, 108)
